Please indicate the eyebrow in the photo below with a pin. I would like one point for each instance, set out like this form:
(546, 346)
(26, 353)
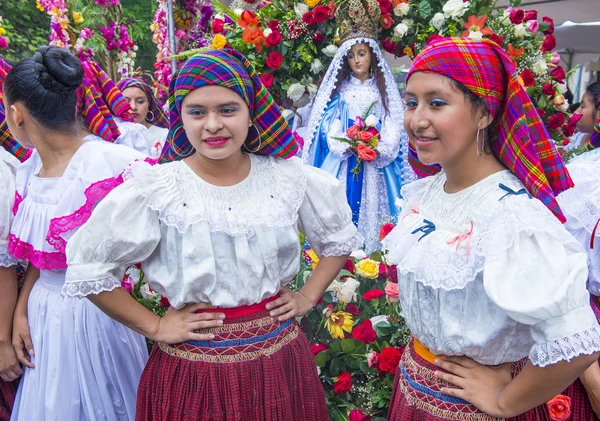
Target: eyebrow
(225, 104)
(428, 93)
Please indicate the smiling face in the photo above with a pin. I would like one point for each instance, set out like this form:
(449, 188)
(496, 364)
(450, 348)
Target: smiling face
(589, 114)
(139, 104)
(359, 60)
(216, 121)
(440, 121)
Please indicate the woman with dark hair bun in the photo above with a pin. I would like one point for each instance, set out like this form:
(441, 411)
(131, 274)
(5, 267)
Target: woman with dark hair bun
(78, 363)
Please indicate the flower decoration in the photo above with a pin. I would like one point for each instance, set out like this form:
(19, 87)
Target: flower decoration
(3, 40)
(338, 323)
(559, 408)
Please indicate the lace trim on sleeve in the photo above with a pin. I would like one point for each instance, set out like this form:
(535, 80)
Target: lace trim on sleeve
(342, 249)
(6, 260)
(85, 288)
(567, 348)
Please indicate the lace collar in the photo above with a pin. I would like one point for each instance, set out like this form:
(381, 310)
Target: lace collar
(357, 82)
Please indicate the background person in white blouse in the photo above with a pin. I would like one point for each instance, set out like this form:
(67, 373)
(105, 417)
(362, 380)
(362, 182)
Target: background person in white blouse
(220, 228)
(488, 276)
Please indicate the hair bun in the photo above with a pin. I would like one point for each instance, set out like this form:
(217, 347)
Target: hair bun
(57, 70)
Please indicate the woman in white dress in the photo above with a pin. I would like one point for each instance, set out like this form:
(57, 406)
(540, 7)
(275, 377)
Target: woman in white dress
(79, 363)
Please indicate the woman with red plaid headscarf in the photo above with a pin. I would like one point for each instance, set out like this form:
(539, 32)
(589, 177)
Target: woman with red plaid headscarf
(489, 278)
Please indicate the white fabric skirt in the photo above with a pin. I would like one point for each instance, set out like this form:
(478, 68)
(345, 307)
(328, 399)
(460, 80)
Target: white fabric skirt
(87, 366)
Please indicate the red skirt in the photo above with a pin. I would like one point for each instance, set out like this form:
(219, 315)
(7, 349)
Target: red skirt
(256, 369)
(7, 398)
(417, 396)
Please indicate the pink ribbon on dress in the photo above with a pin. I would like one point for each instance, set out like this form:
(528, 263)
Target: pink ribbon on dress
(463, 237)
(414, 210)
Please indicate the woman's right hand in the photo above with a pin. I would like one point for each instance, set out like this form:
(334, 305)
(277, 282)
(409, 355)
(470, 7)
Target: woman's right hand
(9, 364)
(180, 325)
(21, 339)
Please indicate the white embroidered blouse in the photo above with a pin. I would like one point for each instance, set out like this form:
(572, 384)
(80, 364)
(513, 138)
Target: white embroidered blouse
(229, 246)
(491, 274)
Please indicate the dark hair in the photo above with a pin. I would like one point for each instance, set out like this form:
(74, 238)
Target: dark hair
(345, 72)
(46, 86)
(594, 90)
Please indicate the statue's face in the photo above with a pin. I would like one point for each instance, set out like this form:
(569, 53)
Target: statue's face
(359, 59)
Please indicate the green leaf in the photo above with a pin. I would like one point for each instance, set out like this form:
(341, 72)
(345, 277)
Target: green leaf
(348, 345)
(544, 26)
(322, 358)
(425, 9)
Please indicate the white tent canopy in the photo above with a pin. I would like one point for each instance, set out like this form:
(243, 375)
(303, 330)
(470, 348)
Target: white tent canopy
(578, 43)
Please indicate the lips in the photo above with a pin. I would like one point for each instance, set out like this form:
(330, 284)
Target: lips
(216, 141)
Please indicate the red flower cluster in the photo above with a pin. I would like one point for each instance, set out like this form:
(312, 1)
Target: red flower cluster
(389, 359)
(318, 348)
(318, 15)
(549, 44)
(267, 80)
(528, 77)
(364, 332)
(373, 294)
(274, 60)
(343, 383)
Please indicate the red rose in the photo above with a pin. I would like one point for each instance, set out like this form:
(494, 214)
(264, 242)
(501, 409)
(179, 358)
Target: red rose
(349, 266)
(357, 415)
(558, 74)
(318, 37)
(555, 121)
(318, 348)
(273, 24)
(565, 142)
(541, 112)
(352, 132)
(559, 408)
(548, 89)
(164, 301)
(366, 153)
(531, 15)
(389, 359)
(320, 13)
(352, 309)
(274, 60)
(385, 230)
(433, 38)
(528, 77)
(386, 21)
(517, 16)
(308, 18)
(389, 46)
(392, 273)
(267, 79)
(549, 44)
(569, 129)
(385, 6)
(365, 136)
(218, 26)
(274, 39)
(343, 383)
(373, 294)
(574, 119)
(498, 39)
(364, 332)
(550, 29)
(382, 273)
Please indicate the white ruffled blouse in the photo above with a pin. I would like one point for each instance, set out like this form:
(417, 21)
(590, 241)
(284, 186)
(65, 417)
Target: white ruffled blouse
(7, 199)
(228, 246)
(491, 274)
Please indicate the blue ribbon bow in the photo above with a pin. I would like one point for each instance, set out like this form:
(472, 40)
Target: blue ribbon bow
(510, 191)
(426, 229)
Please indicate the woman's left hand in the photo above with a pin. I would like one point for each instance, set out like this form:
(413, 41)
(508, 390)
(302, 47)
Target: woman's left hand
(477, 384)
(289, 304)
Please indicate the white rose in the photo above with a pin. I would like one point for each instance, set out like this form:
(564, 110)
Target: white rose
(455, 8)
(316, 66)
(312, 90)
(437, 21)
(135, 273)
(358, 255)
(330, 50)
(267, 32)
(401, 9)
(564, 108)
(300, 9)
(539, 67)
(400, 30)
(348, 291)
(295, 91)
(371, 121)
(287, 113)
(379, 319)
(147, 294)
(561, 87)
(520, 30)
(408, 22)
(475, 35)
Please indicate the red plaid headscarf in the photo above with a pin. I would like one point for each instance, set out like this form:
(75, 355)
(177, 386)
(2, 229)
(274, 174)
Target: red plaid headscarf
(523, 145)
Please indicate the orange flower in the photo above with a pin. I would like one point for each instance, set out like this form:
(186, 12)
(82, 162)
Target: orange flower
(514, 54)
(474, 24)
(252, 34)
(559, 408)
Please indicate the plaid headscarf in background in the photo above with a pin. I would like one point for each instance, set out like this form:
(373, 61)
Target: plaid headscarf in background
(6, 140)
(522, 143)
(160, 119)
(230, 69)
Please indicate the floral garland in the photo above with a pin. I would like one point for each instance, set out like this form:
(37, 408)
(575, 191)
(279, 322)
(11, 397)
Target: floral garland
(192, 21)
(3, 40)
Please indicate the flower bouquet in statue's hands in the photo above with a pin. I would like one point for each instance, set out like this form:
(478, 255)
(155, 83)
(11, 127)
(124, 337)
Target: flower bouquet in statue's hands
(363, 138)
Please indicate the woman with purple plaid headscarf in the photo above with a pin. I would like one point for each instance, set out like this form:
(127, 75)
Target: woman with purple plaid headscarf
(216, 231)
(491, 284)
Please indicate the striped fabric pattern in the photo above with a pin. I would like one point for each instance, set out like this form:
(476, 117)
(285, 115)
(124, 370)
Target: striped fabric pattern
(522, 142)
(594, 137)
(270, 134)
(160, 119)
(6, 140)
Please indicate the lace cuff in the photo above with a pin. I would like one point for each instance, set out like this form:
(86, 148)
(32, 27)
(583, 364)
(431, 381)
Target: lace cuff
(6, 260)
(341, 249)
(82, 289)
(339, 149)
(564, 349)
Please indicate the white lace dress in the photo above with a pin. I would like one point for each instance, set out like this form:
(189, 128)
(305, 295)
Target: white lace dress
(229, 246)
(491, 274)
(87, 366)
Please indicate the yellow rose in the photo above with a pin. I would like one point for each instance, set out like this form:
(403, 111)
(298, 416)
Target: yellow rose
(2, 31)
(219, 41)
(367, 268)
(77, 18)
(311, 3)
(408, 51)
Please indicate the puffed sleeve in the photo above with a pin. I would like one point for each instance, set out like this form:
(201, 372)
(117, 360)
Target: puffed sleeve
(538, 277)
(338, 148)
(325, 216)
(122, 231)
(7, 199)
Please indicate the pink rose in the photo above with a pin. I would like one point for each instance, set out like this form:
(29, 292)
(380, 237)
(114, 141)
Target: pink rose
(533, 26)
(373, 359)
(559, 408)
(391, 290)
